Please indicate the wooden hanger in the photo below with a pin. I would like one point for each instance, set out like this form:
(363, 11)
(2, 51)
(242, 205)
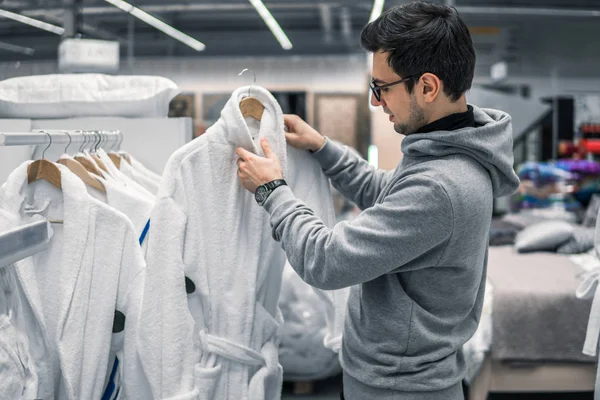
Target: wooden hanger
(100, 163)
(250, 106)
(79, 170)
(116, 156)
(87, 164)
(116, 159)
(44, 169)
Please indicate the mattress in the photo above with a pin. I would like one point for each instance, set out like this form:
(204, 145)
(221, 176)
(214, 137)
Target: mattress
(537, 317)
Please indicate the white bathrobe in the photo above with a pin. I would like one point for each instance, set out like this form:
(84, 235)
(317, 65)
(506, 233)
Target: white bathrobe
(210, 235)
(150, 183)
(136, 207)
(122, 179)
(138, 166)
(92, 267)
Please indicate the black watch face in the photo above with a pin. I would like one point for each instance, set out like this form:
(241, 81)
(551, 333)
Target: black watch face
(261, 194)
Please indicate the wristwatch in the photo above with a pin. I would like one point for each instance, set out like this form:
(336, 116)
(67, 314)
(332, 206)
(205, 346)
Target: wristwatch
(263, 191)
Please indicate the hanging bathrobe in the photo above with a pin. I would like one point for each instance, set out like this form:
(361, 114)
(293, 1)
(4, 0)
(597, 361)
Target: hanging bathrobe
(210, 252)
(92, 268)
(150, 183)
(138, 166)
(135, 206)
(23, 371)
(122, 179)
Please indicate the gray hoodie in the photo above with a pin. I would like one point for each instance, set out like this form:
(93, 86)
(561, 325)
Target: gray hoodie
(417, 254)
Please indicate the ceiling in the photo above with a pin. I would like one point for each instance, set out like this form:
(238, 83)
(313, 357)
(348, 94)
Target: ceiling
(533, 36)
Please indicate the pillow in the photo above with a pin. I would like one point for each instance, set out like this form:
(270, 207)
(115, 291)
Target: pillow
(525, 218)
(502, 232)
(581, 241)
(544, 236)
(591, 214)
(86, 95)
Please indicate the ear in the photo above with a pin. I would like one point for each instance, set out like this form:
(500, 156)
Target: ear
(431, 86)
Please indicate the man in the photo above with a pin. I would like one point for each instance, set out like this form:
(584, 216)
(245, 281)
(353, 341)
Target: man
(418, 251)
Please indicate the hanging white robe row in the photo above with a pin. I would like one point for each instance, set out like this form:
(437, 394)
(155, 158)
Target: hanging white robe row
(201, 320)
(72, 292)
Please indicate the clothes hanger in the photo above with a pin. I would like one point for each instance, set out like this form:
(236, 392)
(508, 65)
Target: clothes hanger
(103, 150)
(114, 156)
(44, 169)
(79, 170)
(123, 154)
(250, 106)
(95, 155)
(83, 160)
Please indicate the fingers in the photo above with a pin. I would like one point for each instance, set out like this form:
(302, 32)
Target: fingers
(264, 143)
(243, 153)
(290, 121)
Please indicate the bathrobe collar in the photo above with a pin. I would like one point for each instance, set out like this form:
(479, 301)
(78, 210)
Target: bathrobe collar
(238, 133)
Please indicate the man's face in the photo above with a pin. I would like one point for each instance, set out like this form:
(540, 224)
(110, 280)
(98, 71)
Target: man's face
(403, 110)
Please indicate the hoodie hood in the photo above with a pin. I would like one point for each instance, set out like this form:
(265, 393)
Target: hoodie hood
(490, 144)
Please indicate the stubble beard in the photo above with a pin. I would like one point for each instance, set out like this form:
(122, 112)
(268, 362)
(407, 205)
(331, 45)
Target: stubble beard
(416, 120)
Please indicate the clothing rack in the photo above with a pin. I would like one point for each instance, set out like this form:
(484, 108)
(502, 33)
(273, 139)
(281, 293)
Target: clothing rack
(23, 241)
(98, 138)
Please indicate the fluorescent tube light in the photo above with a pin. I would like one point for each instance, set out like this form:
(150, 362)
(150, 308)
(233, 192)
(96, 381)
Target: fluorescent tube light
(377, 10)
(32, 22)
(17, 49)
(265, 14)
(158, 24)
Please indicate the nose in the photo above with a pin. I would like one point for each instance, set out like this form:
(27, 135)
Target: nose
(375, 102)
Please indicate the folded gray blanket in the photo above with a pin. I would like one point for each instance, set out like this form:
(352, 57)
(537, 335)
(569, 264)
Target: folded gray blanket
(536, 314)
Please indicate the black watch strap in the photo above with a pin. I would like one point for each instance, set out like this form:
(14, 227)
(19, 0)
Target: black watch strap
(264, 191)
(275, 184)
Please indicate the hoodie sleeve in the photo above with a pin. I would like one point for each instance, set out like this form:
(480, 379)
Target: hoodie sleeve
(166, 337)
(382, 239)
(352, 175)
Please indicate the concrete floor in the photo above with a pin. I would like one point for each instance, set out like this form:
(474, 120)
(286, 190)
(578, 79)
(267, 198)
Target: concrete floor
(330, 390)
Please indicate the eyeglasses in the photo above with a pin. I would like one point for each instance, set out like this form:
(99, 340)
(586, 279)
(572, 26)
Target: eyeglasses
(377, 88)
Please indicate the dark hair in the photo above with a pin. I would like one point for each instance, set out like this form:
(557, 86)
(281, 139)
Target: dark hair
(424, 37)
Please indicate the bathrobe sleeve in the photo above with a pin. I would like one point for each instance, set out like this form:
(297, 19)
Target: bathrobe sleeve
(351, 174)
(385, 238)
(135, 384)
(168, 344)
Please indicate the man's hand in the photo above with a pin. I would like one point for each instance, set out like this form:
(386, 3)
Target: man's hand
(301, 135)
(255, 170)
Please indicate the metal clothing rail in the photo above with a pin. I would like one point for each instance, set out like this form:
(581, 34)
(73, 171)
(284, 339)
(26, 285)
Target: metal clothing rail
(98, 138)
(23, 241)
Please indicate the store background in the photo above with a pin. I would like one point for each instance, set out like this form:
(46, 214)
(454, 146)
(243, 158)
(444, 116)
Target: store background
(549, 47)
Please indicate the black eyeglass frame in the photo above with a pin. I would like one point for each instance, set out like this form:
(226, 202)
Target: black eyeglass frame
(376, 89)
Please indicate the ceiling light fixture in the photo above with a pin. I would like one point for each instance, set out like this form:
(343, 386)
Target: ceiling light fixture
(265, 14)
(158, 24)
(32, 22)
(377, 9)
(17, 49)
